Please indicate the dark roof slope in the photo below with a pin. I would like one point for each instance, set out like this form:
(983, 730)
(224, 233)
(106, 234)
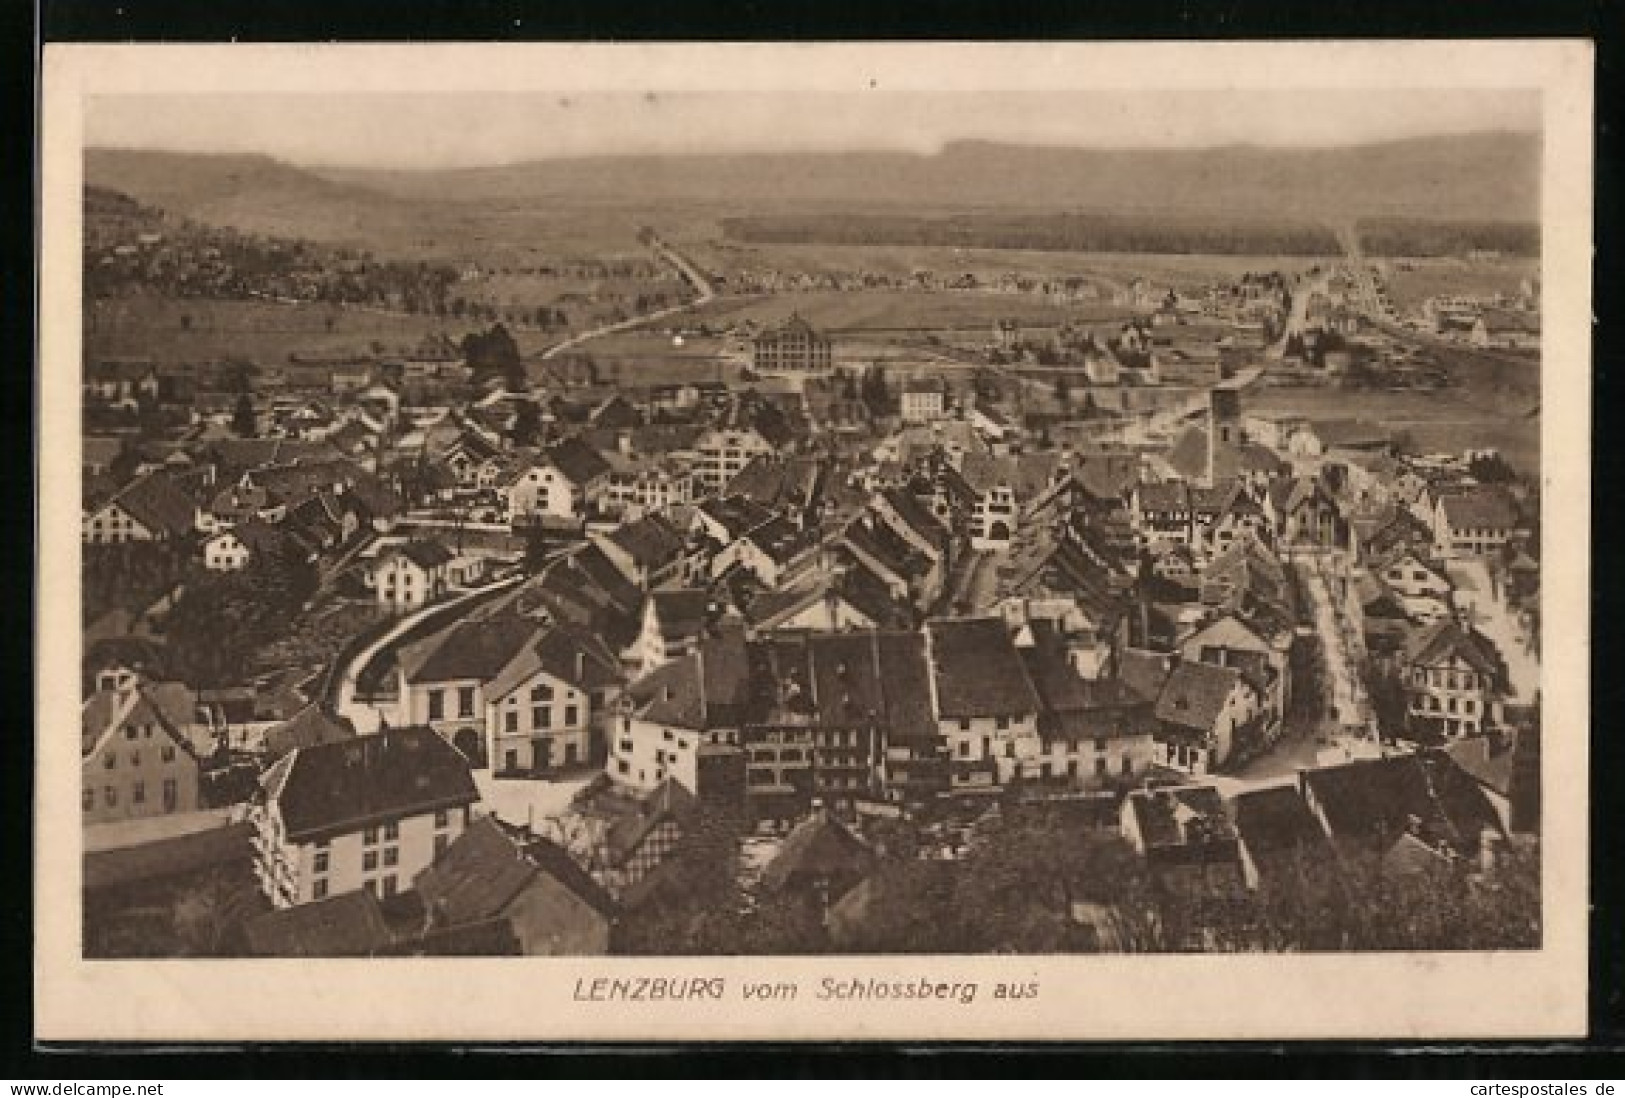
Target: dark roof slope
(333, 788)
(1195, 694)
(310, 727)
(475, 649)
(347, 925)
(978, 671)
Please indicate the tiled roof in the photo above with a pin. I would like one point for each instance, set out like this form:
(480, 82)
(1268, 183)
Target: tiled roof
(486, 868)
(477, 649)
(578, 461)
(978, 670)
(1484, 509)
(1381, 799)
(820, 848)
(310, 727)
(334, 788)
(1444, 640)
(651, 541)
(155, 502)
(1171, 496)
(1275, 823)
(1195, 694)
(681, 613)
(347, 925)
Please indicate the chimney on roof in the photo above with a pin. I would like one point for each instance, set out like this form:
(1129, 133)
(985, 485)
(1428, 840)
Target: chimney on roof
(581, 666)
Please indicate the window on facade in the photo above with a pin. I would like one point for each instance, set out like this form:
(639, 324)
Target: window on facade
(318, 891)
(541, 717)
(964, 724)
(370, 836)
(541, 692)
(392, 832)
(372, 887)
(138, 793)
(510, 722)
(964, 749)
(465, 701)
(442, 818)
(171, 794)
(1002, 723)
(321, 862)
(571, 713)
(369, 861)
(437, 705)
(110, 760)
(392, 855)
(168, 753)
(110, 795)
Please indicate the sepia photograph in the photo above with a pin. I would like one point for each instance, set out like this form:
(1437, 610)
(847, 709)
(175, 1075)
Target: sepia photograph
(898, 536)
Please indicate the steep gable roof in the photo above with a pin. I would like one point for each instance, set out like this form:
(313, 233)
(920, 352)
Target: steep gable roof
(978, 671)
(310, 727)
(1195, 694)
(348, 925)
(155, 502)
(1444, 640)
(580, 463)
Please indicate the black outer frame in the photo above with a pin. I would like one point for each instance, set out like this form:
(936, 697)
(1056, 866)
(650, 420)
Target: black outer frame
(509, 20)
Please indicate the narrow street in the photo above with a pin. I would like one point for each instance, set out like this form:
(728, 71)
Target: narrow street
(1347, 702)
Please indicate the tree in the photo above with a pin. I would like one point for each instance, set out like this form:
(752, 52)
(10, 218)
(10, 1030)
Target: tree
(243, 421)
(527, 424)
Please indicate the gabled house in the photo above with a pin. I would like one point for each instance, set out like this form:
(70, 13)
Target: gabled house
(139, 754)
(1454, 681)
(1208, 715)
(682, 723)
(651, 552)
(674, 622)
(775, 552)
(543, 708)
(1423, 802)
(1422, 585)
(1162, 512)
(1301, 511)
(149, 508)
(1473, 523)
(369, 812)
(492, 872)
(251, 542)
(562, 483)
(410, 574)
(1096, 734)
(986, 705)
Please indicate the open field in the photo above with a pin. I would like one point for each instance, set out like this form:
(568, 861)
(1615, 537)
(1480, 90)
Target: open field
(190, 330)
(902, 311)
(1443, 421)
(1108, 269)
(1408, 289)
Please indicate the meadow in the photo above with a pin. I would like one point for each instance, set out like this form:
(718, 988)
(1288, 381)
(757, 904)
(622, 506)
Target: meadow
(1411, 282)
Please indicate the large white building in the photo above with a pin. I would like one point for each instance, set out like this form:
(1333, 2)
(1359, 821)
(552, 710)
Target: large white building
(370, 812)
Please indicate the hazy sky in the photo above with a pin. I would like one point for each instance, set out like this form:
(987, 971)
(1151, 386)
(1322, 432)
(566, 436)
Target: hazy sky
(459, 129)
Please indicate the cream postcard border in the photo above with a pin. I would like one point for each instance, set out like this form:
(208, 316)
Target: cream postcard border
(1535, 994)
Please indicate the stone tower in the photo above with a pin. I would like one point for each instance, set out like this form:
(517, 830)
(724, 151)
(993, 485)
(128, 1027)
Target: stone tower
(1223, 433)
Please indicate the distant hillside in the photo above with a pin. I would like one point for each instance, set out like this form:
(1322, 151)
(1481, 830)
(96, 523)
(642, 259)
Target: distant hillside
(1494, 176)
(1486, 177)
(254, 194)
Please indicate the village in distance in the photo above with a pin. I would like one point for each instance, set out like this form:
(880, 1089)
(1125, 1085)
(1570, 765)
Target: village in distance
(724, 576)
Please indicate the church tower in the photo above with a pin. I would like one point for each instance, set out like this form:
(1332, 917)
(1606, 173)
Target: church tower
(1223, 432)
